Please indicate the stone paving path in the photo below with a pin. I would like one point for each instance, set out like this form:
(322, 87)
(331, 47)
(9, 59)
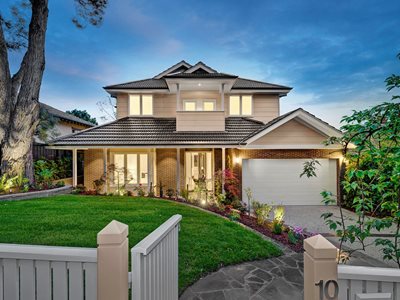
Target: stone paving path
(276, 278)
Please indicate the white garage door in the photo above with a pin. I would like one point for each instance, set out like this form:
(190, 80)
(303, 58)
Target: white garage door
(278, 181)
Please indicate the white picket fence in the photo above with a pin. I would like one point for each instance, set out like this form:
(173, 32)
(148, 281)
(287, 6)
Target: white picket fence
(44, 273)
(361, 282)
(325, 279)
(155, 263)
(64, 273)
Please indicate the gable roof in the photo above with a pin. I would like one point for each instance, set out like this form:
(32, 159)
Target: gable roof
(149, 131)
(64, 116)
(184, 70)
(200, 66)
(301, 114)
(178, 67)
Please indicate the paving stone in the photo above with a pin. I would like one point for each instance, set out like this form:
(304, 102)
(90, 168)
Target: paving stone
(293, 275)
(237, 294)
(253, 278)
(280, 289)
(217, 295)
(238, 272)
(213, 282)
(254, 287)
(262, 275)
(188, 295)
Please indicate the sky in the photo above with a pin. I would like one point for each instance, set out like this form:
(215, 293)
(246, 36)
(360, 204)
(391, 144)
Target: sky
(335, 54)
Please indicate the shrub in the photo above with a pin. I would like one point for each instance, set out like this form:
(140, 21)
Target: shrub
(98, 184)
(279, 213)
(79, 189)
(231, 183)
(292, 238)
(60, 183)
(151, 193)
(170, 193)
(161, 187)
(277, 227)
(234, 215)
(185, 194)
(261, 211)
(6, 183)
(139, 189)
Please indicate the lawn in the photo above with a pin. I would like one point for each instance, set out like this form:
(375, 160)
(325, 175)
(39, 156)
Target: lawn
(206, 242)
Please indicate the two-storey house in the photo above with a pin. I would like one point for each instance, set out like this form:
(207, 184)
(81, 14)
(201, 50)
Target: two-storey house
(190, 121)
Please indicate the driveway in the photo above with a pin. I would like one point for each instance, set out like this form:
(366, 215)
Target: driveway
(309, 217)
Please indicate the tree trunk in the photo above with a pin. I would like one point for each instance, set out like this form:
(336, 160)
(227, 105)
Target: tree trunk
(23, 96)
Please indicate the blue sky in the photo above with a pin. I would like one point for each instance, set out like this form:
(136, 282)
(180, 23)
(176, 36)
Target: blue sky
(335, 54)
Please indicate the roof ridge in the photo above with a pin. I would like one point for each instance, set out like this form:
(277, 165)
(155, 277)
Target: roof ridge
(172, 67)
(132, 81)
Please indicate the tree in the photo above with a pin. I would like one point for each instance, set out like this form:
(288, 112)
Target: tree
(83, 114)
(371, 146)
(107, 107)
(19, 93)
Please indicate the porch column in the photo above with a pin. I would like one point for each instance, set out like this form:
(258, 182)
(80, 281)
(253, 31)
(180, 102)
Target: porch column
(150, 169)
(178, 170)
(223, 168)
(105, 162)
(222, 96)
(74, 167)
(178, 97)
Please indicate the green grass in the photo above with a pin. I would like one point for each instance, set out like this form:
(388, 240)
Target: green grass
(206, 242)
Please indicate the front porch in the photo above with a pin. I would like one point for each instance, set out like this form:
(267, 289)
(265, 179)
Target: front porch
(176, 169)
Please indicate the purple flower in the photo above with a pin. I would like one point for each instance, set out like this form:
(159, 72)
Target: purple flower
(298, 230)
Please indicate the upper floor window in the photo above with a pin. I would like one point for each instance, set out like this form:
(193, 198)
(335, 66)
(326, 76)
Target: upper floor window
(141, 105)
(240, 105)
(199, 105)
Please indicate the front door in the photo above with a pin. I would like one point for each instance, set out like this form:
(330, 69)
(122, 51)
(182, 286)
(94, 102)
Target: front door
(198, 169)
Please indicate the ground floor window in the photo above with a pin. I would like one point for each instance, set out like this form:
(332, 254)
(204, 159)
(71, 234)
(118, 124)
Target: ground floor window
(130, 168)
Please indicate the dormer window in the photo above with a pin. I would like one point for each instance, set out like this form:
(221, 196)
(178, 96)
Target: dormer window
(141, 105)
(241, 105)
(199, 105)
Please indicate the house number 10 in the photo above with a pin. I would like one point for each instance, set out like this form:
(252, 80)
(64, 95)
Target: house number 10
(324, 289)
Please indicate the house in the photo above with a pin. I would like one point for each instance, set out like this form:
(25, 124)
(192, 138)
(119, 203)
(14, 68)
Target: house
(192, 120)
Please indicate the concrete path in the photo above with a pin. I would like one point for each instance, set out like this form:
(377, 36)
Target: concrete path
(309, 217)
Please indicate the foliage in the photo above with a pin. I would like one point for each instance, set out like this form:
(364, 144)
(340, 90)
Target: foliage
(371, 145)
(185, 194)
(82, 114)
(200, 188)
(98, 184)
(295, 234)
(309, 168)
(277, 227)
(231, 183)
(45, 171)
(6, 183)
(279, 213)
(261, 211)
(170, 193)
(108, 108)
(60, 183)
(46, 128)
(79, 189)
(140, 190)
(234, 215)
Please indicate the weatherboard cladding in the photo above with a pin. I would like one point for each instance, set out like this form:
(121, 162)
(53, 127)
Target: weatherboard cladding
(131, 131)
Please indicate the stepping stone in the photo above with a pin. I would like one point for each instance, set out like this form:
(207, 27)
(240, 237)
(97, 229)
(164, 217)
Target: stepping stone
(217, 295)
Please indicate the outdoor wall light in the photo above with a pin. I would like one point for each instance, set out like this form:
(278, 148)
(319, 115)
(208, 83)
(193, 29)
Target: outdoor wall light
(237, 160)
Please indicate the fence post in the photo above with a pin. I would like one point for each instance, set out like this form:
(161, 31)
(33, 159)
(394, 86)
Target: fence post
(320, 269)
(112, 262)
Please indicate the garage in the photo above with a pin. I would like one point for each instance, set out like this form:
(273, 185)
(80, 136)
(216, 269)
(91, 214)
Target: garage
(277, 181)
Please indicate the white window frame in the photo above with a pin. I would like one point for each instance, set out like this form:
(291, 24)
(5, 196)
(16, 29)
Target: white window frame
(126, 179)
(241, 105)
(199, 104)
(140, 104)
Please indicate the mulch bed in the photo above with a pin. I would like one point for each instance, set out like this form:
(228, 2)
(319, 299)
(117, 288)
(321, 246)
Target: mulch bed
(251, 222)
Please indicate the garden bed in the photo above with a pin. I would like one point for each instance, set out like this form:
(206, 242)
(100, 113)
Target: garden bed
(251, 222)
(36, 194)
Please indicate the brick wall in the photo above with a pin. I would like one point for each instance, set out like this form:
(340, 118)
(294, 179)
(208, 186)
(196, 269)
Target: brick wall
(93, 166)
(278, 154)
(166, 168)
